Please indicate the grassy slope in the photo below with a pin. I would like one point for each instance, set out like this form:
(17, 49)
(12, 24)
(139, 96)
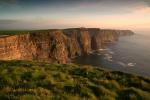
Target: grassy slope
(41, 81)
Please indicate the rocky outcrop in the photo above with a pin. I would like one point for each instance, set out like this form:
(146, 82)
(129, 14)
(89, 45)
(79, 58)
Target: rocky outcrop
(57, 45)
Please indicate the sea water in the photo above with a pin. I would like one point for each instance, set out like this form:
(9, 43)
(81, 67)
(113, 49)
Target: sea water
(131, 54)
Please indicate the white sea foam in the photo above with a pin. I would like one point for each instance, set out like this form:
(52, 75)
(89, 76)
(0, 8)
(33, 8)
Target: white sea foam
(102, 49)
(108, 57)
(131, 64)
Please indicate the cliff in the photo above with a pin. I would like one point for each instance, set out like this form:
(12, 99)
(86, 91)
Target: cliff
(125, 32)
(56, 45)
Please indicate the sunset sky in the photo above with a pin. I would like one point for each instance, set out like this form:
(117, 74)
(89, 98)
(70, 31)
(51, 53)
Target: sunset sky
(47, 14)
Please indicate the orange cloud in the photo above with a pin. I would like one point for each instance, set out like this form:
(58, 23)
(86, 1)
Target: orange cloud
(142, 10)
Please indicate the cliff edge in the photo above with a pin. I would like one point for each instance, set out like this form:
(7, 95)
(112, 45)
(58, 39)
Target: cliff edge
(57, 45)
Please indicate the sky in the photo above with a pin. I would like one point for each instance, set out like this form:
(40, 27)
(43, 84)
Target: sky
(48, 14)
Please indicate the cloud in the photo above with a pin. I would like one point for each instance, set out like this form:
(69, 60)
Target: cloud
(142, 10)
(8, 21)
(107, 13)
(31, 24)
(147, 2)
(67, 2)
(8, 1)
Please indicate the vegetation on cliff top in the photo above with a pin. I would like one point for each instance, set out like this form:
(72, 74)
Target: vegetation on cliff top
(23, 80)
(17, 32)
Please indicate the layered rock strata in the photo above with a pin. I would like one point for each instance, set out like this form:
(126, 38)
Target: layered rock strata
(57, 45)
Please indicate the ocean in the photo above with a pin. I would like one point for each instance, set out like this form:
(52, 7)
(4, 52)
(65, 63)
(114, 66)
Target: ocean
(131, 54)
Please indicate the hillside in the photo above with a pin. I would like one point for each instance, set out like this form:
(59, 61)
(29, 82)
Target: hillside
(24, 80)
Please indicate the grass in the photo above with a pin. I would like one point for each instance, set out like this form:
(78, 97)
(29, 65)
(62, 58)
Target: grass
(24, 80)
(17, 32)
(12, 32)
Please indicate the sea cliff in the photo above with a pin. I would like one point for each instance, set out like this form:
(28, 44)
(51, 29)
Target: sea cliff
(57, 45)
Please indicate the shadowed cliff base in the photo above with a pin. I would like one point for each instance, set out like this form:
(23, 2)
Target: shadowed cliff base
(56, 45)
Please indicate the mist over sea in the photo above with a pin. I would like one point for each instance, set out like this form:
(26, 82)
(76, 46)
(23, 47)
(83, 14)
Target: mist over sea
(130, 54)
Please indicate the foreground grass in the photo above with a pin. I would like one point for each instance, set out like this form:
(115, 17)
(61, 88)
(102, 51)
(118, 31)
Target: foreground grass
(22, 80)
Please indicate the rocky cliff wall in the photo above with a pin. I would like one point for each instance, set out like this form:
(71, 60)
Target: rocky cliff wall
(47, 46)
(57, 45)
(125, 32)
(16, 47)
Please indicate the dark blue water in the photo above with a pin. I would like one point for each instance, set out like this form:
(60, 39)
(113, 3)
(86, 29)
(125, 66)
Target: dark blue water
(130, 54)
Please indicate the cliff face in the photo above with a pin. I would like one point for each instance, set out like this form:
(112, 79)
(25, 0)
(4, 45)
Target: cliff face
(82, 40)
(36, 46)
(50, 46)
(16, 47)
(57, 45)
(125, 32)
